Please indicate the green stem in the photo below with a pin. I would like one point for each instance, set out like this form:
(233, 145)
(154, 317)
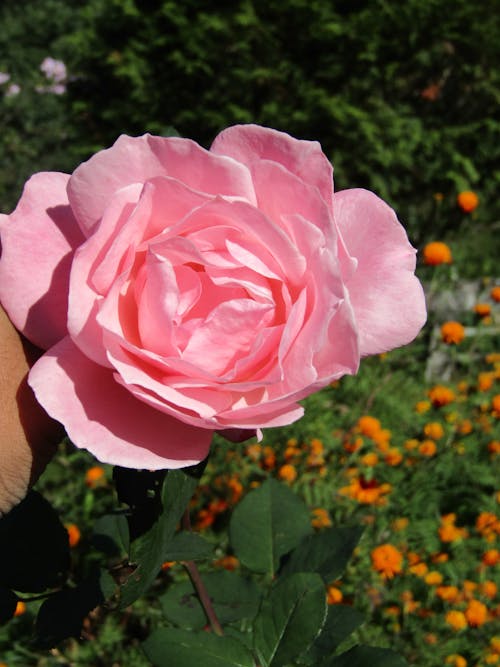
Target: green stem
(199, 586)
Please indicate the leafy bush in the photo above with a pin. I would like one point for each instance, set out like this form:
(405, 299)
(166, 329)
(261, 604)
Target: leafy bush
(403, 97)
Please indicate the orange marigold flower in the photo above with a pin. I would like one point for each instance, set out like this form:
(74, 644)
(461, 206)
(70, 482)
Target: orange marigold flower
(317, 446)
(492, 659)
(434, 430)
(495, 293)
(476, 613)
(287, 472)
(489, 589)
(74, 534)
(254, 451)
(411, 444)
(204, 519)
(321, 518)
(387, 560)
(393, 457)
(409, 604)
(464, 427)
(485, 380)
(413, 557)
(448, 593)
(456, 619)
(440, 557)
(94, 476)
(427, 448)
(433, 578)
(369, 460)
(419, 569)
(495, 644)
(291, 453)
(452, 333)
(494, 447)
(436, 253)
(392, 610)
(448, 532)
(20, 608)
(368, 425)
(269, 461)
(482, 309)
(469, 587)
(227, 562)
(167, 565)
(236, 488)
(366, 491)
(422, 406)
(455, 660)
(441, 395)
(468, 201)
(495, 404)
(400, 523)
(491, 557)
(487, 523)
(492, 358)
(334, 595)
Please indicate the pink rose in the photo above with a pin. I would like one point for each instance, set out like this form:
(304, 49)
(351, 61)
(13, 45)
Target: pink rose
(180, 291)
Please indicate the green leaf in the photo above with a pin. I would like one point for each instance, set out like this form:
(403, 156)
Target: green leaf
(326, 553)
(149, 549)
(111, 535)
(233, 598)
(35, 549)
(340, 622)
(167, 647)
(367, 656)
(290, 619)
(268, 523)
(188, 546)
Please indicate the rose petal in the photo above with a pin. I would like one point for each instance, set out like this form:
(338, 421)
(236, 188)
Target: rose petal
(386, 296)
(38, 240)
(281, 194)
(250, 144)
(138, 159)
(111, 423)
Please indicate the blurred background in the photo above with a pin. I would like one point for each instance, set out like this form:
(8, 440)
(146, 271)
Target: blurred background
(403, 96)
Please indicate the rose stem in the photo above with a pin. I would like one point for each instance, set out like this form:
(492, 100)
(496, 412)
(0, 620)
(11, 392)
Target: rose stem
(199, 586)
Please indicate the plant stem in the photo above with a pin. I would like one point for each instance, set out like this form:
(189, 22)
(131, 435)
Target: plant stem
(199, 586)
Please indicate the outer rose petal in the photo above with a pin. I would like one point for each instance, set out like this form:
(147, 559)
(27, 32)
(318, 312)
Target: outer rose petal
(27, 434)
(251, 143)
(138, 159)
(38, 240)
(110, 422)
(387, 298)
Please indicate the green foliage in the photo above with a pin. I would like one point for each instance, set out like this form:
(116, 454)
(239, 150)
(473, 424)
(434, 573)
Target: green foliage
(169, 646)
(403, 97)
(290, 619)
(266, 525)
(326, 553)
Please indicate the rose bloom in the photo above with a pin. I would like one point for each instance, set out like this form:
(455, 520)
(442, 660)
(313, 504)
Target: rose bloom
(179, 291)
(436, 253)
(452, 333)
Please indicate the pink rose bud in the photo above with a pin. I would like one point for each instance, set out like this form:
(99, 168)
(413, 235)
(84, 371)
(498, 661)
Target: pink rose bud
(179, 291)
